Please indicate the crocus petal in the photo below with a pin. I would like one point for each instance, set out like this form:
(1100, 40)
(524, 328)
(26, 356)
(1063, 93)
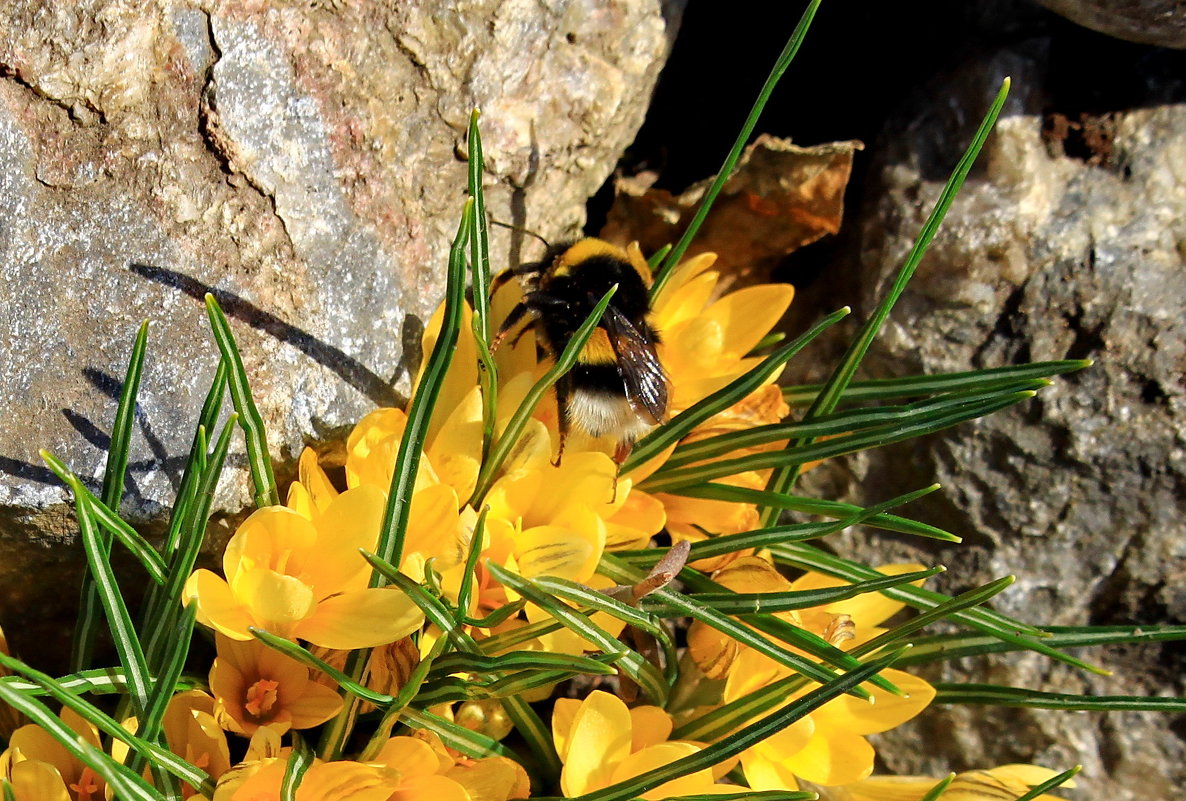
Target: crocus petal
(423, 788)
(558, 551)
(599, 741)
(673, 308)
(273, 537)
(887, 711)
(837, 757)
(315, 705)
(37, 781)
(456, 452)
(491, 779)
(649, 725)
(364, 618)
(435, 526)
(674, 289)
(636, 521)
(747, 314)
(564, 712)
(310, 475)
(410, 756)
(658, 756)
(351, 521)
(277, 602)
(763, 772)
(1029, 775)
(866, 609)
(462, 376)
(343, 781)
(217, 605)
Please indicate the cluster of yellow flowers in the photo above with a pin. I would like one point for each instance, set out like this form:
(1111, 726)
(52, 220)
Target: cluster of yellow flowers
(296, 571)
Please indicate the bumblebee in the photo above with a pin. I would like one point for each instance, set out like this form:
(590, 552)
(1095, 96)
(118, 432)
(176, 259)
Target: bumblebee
(618, 386)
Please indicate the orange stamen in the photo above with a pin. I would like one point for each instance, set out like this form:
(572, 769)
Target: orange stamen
(261, 697)
(87, 787)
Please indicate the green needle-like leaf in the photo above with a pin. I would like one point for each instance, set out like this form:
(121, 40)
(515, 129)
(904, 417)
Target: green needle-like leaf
(524, 718)
(111, 522)
(113, 489)
(291, 649)
(633, 664)
(738, 603)
(411, 444)
(780, 66)
(161, 624)
(682, 424)
(259, 461)
(998, 695)
(509, 438)
(965, 600)
(123, 632)
(457, 737)
(667, 479)
(936, 792)
(41, 715)
(749, 795)
(814, 506)
(299, 761)
(957, 646)
(744, 738)
(465, 591)
(479, 259)
(784, 478)
(886, 419)
(740, 632)
(986, 621)
(919, 385)
(1054, 781)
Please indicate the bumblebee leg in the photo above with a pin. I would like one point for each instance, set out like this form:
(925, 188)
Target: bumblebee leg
(514, 318)
(563, 393)
(620, 455)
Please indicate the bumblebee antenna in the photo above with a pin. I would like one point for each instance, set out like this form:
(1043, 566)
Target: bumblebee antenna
(521, 230)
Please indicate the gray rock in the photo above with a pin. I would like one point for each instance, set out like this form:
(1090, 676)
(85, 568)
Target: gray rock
(300, 162)
(1080, 493)
(1155, 22)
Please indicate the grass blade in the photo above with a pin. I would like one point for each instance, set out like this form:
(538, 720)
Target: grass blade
(737, 631)
(259, 461)
(93, 714)
(780, 66)
(738, 603)
(526, 721)
(123, 633)
(784, 478)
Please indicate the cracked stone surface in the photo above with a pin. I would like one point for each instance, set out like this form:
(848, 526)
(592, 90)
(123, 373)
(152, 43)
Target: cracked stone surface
(1155, 22)
(298, 161)
(1081, 492)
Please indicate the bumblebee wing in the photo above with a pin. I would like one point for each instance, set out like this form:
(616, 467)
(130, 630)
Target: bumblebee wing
(645, 381)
